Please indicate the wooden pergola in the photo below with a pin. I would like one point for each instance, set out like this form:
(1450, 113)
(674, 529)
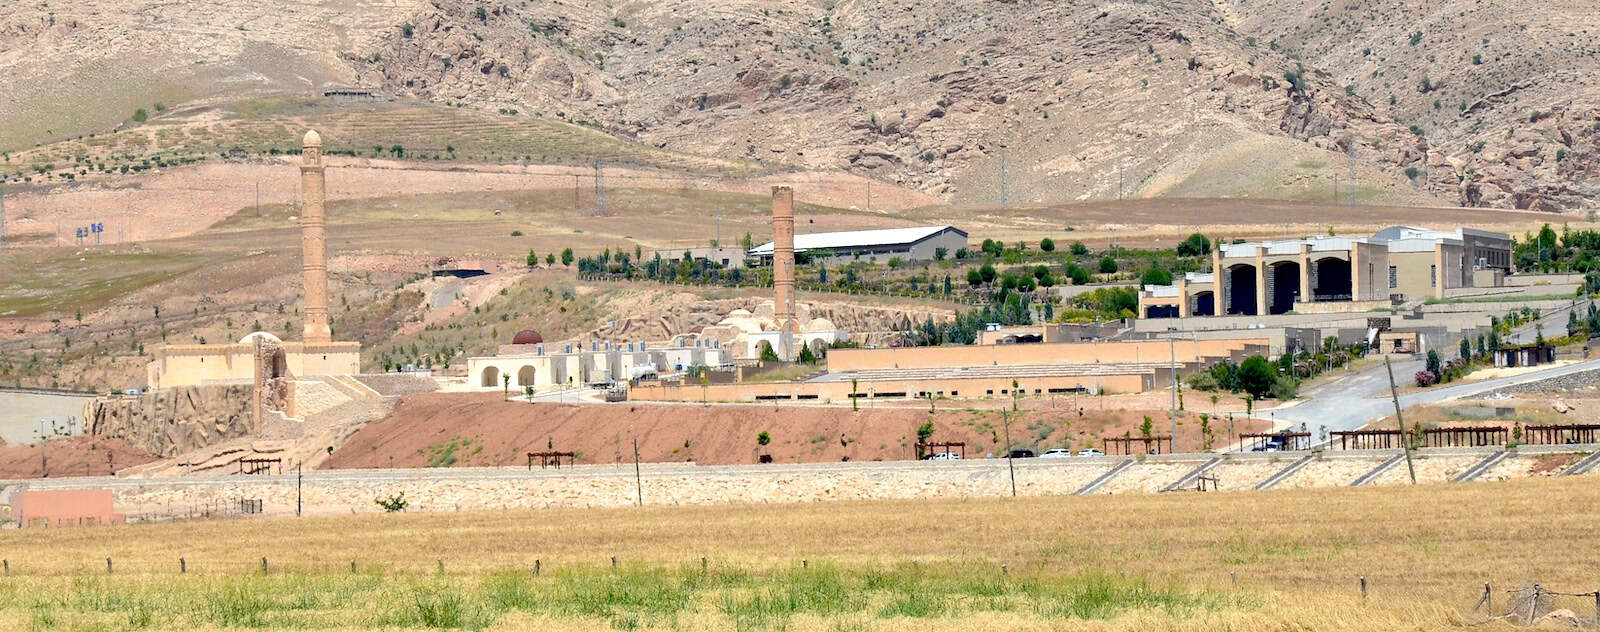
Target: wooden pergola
(1465, 437)
(1152, 444)
(1366, 439)
(1291, 441)
(260, 466)
(1561, 434)
(924, 450)
(551, 459)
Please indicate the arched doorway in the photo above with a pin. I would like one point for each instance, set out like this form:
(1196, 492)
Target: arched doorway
(525, 376)
(1205, 304)
(1242, 289)
(1285, 286)
(491, 377)
(1331, 279)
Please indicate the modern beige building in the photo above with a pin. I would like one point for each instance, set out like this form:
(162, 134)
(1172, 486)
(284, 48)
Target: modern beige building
(1330, 274)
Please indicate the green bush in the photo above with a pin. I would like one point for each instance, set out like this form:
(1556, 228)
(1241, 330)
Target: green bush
(139, 115)
(1108, 265)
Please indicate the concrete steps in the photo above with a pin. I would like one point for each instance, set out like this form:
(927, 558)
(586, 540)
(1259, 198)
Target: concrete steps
(1101, 480)
(1378, 471)
(1480, 467)
(1193, 475)
(1583, 465)
(1286, 472)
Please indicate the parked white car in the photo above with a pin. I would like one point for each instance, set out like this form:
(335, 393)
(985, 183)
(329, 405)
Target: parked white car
(1090, 452)
(1056, 453)
(946, 456)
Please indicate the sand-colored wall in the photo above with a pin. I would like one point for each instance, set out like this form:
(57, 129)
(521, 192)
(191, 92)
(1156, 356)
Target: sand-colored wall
(1151, 352)
(840, 391)
(192, 365)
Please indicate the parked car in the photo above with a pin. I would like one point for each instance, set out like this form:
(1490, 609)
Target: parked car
(1056, 453)
(945, 456)
(1090, 452)
(1020, 454)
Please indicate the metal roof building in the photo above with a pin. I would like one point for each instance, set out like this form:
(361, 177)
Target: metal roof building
(911, 244)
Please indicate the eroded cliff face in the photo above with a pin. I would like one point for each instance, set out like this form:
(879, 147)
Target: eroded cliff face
(175, 420)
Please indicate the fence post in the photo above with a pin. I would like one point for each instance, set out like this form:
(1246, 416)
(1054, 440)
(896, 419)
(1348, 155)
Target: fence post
(1597, 606)
(1533, 604)
(1363, 587)
(263, 565)
(108, 566)
(183, 566)
(613, 561)
(7, 565)
(703, 567)
(536, 565)
(352, 567)
(441, 567)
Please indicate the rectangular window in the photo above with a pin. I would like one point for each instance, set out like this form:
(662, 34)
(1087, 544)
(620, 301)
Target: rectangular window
(1433, 276)
(1394, 277)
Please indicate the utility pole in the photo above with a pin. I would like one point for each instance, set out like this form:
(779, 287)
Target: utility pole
(1004, 204)
(1350, 159)
(1172, 445)
(574, 192)
(869, 196)
(44, 465)
(719, 231)
(299, 480)
(1405, 441)
(599, 190)
(1011, 467)
(258, 198)
(2, 218)
(638, 482)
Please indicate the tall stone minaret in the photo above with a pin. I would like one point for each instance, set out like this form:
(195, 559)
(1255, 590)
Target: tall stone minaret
(783, 266)
(313, 245)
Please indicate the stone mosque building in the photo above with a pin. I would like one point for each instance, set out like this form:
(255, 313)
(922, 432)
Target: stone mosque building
(269, 363)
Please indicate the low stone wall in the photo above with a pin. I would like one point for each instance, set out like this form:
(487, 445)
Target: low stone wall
(468, 489)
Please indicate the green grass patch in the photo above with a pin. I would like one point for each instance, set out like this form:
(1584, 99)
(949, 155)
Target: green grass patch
(1508, 298)
(625, 598)
(69, 282)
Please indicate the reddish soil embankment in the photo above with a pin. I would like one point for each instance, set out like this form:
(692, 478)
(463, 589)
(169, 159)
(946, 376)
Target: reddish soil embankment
(483, 429)
(77, 456)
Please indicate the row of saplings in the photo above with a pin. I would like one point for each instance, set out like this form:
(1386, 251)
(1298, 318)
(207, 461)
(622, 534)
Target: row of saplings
(1259, 378)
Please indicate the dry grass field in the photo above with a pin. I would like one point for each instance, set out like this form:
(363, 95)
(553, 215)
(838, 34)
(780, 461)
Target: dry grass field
(1237, 561)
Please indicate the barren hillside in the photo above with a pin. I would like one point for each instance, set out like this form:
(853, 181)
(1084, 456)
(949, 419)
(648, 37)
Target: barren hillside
(973, 103)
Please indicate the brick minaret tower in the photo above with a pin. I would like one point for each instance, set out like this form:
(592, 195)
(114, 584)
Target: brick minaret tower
(783, 264)
(313, 245)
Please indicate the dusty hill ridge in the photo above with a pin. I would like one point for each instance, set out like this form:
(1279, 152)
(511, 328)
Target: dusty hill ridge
(1069, 100)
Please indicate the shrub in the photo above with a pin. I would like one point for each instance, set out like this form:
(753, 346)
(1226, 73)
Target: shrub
(1426, 378)
(1256, 376)
(393, 503)
(1202, 381)
(1108, 265)
(764, 438)
(1285, 388)
(1079, 275)
(1196, 245)
(1047, 244)
(139, 115)
(516, 233)
(1156, 276)
(1079, 249)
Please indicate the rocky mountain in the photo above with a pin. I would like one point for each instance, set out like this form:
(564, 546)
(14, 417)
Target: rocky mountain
(977, 103)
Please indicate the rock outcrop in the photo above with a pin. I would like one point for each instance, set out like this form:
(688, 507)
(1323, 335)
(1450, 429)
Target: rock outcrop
(175, 420)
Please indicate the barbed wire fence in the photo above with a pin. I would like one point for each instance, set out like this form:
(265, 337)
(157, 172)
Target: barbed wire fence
(1535, 604)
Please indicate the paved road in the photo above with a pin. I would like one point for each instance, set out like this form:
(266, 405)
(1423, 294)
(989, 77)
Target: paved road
(1362, 397)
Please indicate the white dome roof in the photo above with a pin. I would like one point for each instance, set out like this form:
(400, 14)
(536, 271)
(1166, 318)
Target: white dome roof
(265, 337)
(312, 139)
